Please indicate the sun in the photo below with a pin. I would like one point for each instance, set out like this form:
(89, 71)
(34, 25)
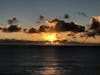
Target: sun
(49, 36)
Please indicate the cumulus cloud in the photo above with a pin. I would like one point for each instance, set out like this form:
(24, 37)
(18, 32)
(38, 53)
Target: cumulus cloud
(95, 24)
(12, 28)
(60, 26)
(29, 30)
(71, 26)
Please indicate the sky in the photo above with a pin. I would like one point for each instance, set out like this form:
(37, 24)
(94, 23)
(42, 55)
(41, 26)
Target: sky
(28, 11)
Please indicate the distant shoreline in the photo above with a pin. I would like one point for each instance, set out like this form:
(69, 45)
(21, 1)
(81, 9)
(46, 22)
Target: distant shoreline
(43, 43)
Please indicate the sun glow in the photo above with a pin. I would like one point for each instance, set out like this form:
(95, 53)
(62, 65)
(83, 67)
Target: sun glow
(50, 36)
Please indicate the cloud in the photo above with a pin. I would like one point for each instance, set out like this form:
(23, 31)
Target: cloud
(41, 17)
(82, 14)
(29, 30)
(61, 26)
(12, 28)
(12, 20)
(66, 16)
(71, 26)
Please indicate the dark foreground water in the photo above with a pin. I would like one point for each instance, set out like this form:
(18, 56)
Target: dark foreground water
(49, 60)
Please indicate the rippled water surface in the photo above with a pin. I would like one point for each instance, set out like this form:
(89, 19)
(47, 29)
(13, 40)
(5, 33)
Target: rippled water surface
(49, 60)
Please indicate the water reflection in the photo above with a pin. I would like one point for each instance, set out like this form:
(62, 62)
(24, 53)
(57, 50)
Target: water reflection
(48, 71)
(49, 61)
(51, 65)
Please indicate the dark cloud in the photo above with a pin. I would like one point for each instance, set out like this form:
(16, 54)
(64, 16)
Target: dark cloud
(95, 24)
(82, 14)
(66, 16)
(12, 28)
(0, 28)
(13, 20)
(62, 26)
(41, 17)
(10, 21)
(71, 26)
(29, 30)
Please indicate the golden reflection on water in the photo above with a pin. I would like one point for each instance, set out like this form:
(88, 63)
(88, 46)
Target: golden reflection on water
(51, 65)
(50, 71)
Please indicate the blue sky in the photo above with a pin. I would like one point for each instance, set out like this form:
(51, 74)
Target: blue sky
(28, 11)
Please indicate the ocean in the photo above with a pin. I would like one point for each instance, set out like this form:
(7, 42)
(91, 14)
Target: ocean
(49, 60)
